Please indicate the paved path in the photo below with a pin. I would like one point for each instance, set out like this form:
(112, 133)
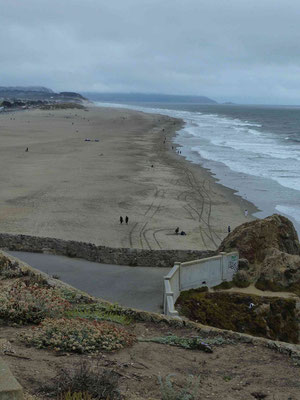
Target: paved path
(138, 287)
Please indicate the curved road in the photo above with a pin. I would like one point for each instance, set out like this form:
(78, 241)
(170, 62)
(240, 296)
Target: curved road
(137, 287)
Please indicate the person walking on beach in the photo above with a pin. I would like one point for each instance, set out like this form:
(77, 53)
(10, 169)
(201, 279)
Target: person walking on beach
(229, 229)
(246, 213)
(177, 230)
(121, 220)
(126, 219)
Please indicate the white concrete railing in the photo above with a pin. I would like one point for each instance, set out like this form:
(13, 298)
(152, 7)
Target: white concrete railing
(194, 274)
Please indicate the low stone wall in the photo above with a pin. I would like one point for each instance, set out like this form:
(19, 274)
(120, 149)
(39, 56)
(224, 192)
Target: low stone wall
(101, 254)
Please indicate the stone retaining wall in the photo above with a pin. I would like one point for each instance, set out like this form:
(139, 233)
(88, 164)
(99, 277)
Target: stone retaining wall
(101, 254)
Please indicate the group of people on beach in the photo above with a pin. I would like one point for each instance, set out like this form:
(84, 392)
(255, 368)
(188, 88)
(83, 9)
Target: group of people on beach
(182, 233)
(122, 220)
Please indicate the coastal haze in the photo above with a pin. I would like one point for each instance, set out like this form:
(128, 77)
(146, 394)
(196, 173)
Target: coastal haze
(239, 51)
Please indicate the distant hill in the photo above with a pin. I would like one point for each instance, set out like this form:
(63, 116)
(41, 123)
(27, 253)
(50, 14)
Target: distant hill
(147, 98)
(25, 89)
(36, 93)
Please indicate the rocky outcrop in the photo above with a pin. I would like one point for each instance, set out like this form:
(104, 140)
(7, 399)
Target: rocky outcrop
(272, 249)
(255, 239)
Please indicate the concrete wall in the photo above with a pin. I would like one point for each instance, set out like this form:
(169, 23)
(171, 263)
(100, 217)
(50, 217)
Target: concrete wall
(102, 254)
(208, 272)
(10, 388)
(194, 274)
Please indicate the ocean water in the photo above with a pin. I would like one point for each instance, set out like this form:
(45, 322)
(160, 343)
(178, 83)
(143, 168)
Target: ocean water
(254, 150)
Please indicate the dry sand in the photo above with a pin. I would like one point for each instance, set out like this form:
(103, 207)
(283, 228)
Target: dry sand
(68, 188)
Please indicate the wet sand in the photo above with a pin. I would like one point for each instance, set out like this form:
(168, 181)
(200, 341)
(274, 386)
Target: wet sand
(69, 188)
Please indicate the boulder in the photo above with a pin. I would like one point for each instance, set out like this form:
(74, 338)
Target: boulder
(255, 239)
(280, 271)
(272, 249)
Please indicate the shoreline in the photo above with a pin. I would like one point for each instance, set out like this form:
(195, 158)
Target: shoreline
(232, 194)
(69, 188)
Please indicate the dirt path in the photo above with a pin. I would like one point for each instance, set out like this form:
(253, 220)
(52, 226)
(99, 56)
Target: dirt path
(252, 290)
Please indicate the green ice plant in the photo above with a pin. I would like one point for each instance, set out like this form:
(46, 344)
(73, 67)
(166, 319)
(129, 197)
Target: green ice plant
(97, 312)
(194, 343)
(168, 391)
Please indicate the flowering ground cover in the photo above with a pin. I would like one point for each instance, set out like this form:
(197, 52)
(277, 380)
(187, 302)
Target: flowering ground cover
(79, 335)
(23, 304)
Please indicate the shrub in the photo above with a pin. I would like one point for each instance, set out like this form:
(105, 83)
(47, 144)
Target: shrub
(189, 392)
(267, 284)
(30, 304)
(74, 296)
(10, 269)
(34, 279)
(223, 286)
(241, 279)
(83, 383)
(79, 336)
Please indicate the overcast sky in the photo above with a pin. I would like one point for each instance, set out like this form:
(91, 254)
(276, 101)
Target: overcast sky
(230, 50)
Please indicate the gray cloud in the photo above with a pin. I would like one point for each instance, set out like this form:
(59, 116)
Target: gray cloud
(235, 50)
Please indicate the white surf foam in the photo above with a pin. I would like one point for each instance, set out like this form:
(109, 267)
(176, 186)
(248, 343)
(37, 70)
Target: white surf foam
(237, 144)
(246, 150)
(290, 211)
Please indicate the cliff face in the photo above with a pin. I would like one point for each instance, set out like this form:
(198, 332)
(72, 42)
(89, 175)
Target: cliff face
(272, 247)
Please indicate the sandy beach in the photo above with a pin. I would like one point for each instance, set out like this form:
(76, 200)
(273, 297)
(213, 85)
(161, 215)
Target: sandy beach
(70, 188)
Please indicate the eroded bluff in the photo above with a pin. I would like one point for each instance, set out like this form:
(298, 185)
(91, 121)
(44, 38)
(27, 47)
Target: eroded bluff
(272, 248)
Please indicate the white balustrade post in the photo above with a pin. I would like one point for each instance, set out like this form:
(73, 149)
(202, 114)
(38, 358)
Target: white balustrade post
(223, 255)
(179, 269)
